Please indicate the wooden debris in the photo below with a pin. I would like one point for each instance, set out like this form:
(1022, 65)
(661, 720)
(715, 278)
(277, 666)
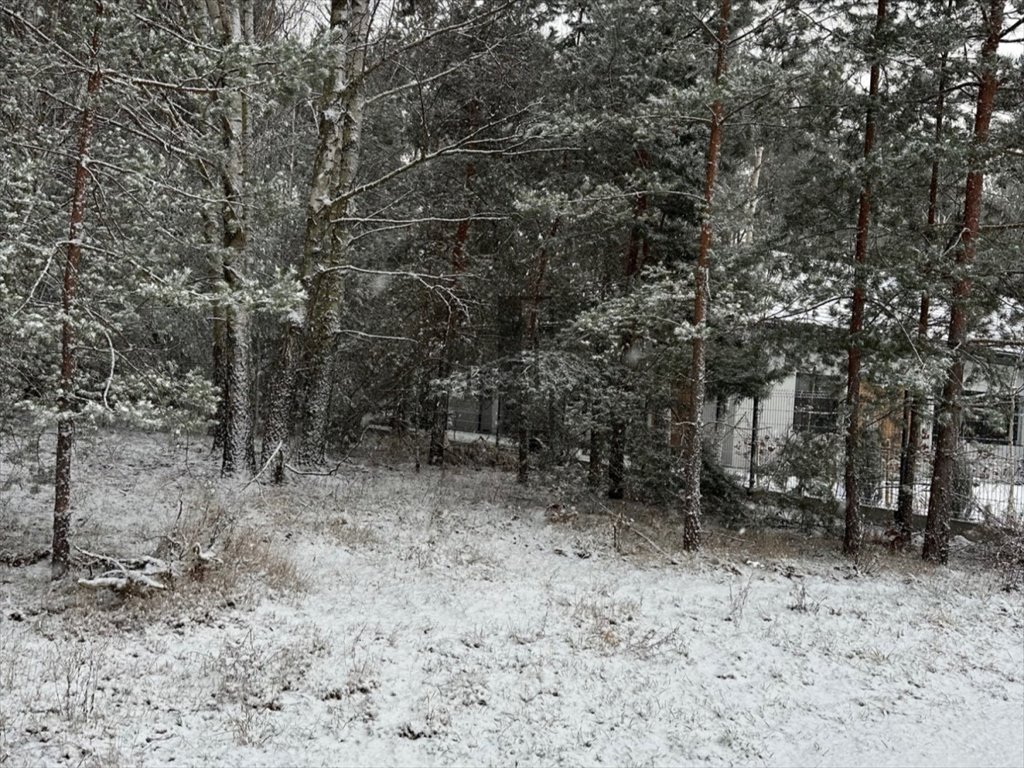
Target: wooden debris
(137, 575)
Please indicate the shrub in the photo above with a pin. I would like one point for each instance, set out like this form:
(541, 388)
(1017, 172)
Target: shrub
(812, 460)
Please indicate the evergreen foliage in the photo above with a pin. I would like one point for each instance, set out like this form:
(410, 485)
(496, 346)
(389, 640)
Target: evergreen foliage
(345, 214)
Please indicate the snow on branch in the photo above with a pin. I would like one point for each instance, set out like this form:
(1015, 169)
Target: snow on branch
(139, 576)
(422, 277)
(376, 336)
(411, 222)
(459, 26)
(468, 144)
(145, 575)
(419, 83)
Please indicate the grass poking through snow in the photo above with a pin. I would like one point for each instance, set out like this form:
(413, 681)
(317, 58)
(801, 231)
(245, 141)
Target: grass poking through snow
(385, 617)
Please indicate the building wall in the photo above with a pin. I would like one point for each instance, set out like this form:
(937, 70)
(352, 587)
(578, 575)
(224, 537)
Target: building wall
(997, 468)
(473, 414)
(775, 421)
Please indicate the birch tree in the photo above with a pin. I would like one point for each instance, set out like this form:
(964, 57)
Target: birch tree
(232, 20)
(362, 41)
(326, 242)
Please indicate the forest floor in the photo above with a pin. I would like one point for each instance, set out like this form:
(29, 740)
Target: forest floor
(380, 616)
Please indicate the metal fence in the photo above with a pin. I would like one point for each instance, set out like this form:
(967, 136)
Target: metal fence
(793, 442)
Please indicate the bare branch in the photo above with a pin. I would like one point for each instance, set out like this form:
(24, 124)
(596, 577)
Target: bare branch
(44, 37)
(173, 33)
(462, 145)
(35, 285)
(427, 80)
(176, 87)
(176, 190)
(422, 277)
(423, 220)
(113, 362)
(376, 336)
(469, 23)
(277, 450)
(309, 473)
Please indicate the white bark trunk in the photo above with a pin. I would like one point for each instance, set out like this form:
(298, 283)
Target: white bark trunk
(326, 244)
(234, 127)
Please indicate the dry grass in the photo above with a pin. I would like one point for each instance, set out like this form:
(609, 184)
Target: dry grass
(247, 562)
(255, 559)
(617, 626)
(588, 642)
(770, 544)
(349, 535)
(250, 675)
(1004, 554)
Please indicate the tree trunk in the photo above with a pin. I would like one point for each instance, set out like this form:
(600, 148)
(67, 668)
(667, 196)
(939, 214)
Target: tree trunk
(522, 444)
(439, 424)
(238, 410)
(638, 247)
(594, 473)
(748, 237)
(912, 422)
(60, 550)
(327, 239)
(219, 329)
(238, 366)
(911, 439)
(276, 429)
(617, 459)
(440, 405)
(531, 337)
(947, 422)
(522, 414)
(854, 533)
(694, 403)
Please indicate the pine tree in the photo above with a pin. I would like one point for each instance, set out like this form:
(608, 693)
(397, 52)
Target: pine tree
(914, 401)
(950, 406)
(854, 430)
(694, 404)
(60, 552)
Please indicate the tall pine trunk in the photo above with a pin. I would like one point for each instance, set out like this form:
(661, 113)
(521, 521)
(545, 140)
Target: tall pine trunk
(597, 445)
(913, 416)
(531, 339)
(947, 421)
(854, 532)
(60, 550)
(617, 458)
(910, 440)
(694, 403)
(755, 442)
(636, 255)
(439, 423)
(440, 406)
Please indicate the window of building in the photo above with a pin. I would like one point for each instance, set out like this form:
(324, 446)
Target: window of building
(816, 404)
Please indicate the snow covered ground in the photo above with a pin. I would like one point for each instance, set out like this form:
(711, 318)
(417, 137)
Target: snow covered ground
(384, 617)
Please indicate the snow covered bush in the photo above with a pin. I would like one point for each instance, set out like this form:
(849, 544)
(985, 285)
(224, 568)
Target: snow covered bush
(1007, 555)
